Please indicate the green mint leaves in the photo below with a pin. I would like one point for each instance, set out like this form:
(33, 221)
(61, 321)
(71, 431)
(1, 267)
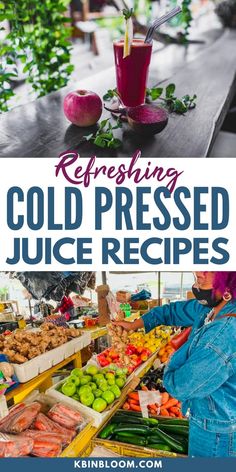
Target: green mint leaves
(174, 104)
(127, 13)
(104, 136)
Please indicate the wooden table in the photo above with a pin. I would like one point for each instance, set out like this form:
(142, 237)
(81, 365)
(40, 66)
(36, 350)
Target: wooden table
(39, 129)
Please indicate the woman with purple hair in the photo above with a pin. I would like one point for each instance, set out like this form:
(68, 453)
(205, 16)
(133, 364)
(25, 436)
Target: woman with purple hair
(202, 372)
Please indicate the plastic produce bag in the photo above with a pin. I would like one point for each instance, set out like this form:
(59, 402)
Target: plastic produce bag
(66, 416)
(45, 444)
(15, 446)
(113, 304)
(43, 423)
(20, 418)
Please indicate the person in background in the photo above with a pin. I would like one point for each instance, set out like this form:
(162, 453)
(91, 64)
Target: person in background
(202, 372)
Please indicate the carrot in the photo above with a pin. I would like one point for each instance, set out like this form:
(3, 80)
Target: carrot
(144, 388)
(153, 412)
(164, 397)
(164, 412)
(133, 402)
(133, 396)
(171, 402)
(135, 407)
(179, 405)
(153, 407)
(126, 406)
(172, 415)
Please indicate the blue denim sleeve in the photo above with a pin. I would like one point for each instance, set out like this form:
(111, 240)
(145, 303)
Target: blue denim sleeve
(200, 375)
(175, 314)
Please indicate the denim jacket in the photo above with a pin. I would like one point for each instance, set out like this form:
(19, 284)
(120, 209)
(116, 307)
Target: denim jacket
(202, 373)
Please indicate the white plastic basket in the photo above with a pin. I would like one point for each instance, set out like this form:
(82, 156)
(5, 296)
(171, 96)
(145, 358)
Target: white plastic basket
(40, 364)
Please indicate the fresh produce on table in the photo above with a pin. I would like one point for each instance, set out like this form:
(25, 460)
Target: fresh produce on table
(65, 416)
(153, 340)
(152, 380)
(130, 349)
(23, 345)
(43, 436)
(44, 444)
(94, 387)
(15, 446)
(165, 353)
(166, 434)
(131, 358)
(20, 419)
(43, 423)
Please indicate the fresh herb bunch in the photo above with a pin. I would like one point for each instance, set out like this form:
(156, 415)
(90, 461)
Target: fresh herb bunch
(174, 104)
(104, 136)
(127, 13)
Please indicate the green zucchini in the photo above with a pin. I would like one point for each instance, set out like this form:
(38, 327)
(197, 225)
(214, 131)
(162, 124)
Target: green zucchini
(133, 420)
(172, 428)
(158, 435)
(176, 421)
(160, 446)
(127, 434)
(135, 440)
(107, 431)
(132, 428)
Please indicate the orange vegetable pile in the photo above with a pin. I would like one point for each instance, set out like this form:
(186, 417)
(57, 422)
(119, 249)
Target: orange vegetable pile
(132, 402)
(169, 406)
(165, 352)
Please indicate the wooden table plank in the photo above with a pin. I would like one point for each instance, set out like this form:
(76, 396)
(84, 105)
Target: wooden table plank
(39, 129)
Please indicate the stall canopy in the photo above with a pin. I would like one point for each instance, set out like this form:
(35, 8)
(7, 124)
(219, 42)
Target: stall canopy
(54, 285)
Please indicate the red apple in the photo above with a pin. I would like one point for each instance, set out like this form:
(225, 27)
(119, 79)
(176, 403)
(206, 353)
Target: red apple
(83, 107)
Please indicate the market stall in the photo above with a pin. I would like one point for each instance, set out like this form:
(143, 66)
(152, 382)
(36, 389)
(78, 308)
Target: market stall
(67, 387)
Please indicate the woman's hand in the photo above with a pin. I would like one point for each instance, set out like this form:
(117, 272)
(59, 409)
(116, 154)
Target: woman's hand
(130, 325)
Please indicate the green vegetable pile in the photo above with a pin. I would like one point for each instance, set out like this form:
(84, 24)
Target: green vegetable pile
(163, 434)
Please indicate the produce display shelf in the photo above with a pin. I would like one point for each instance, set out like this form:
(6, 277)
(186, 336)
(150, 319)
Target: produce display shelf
(43, 381)
(129, 450)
